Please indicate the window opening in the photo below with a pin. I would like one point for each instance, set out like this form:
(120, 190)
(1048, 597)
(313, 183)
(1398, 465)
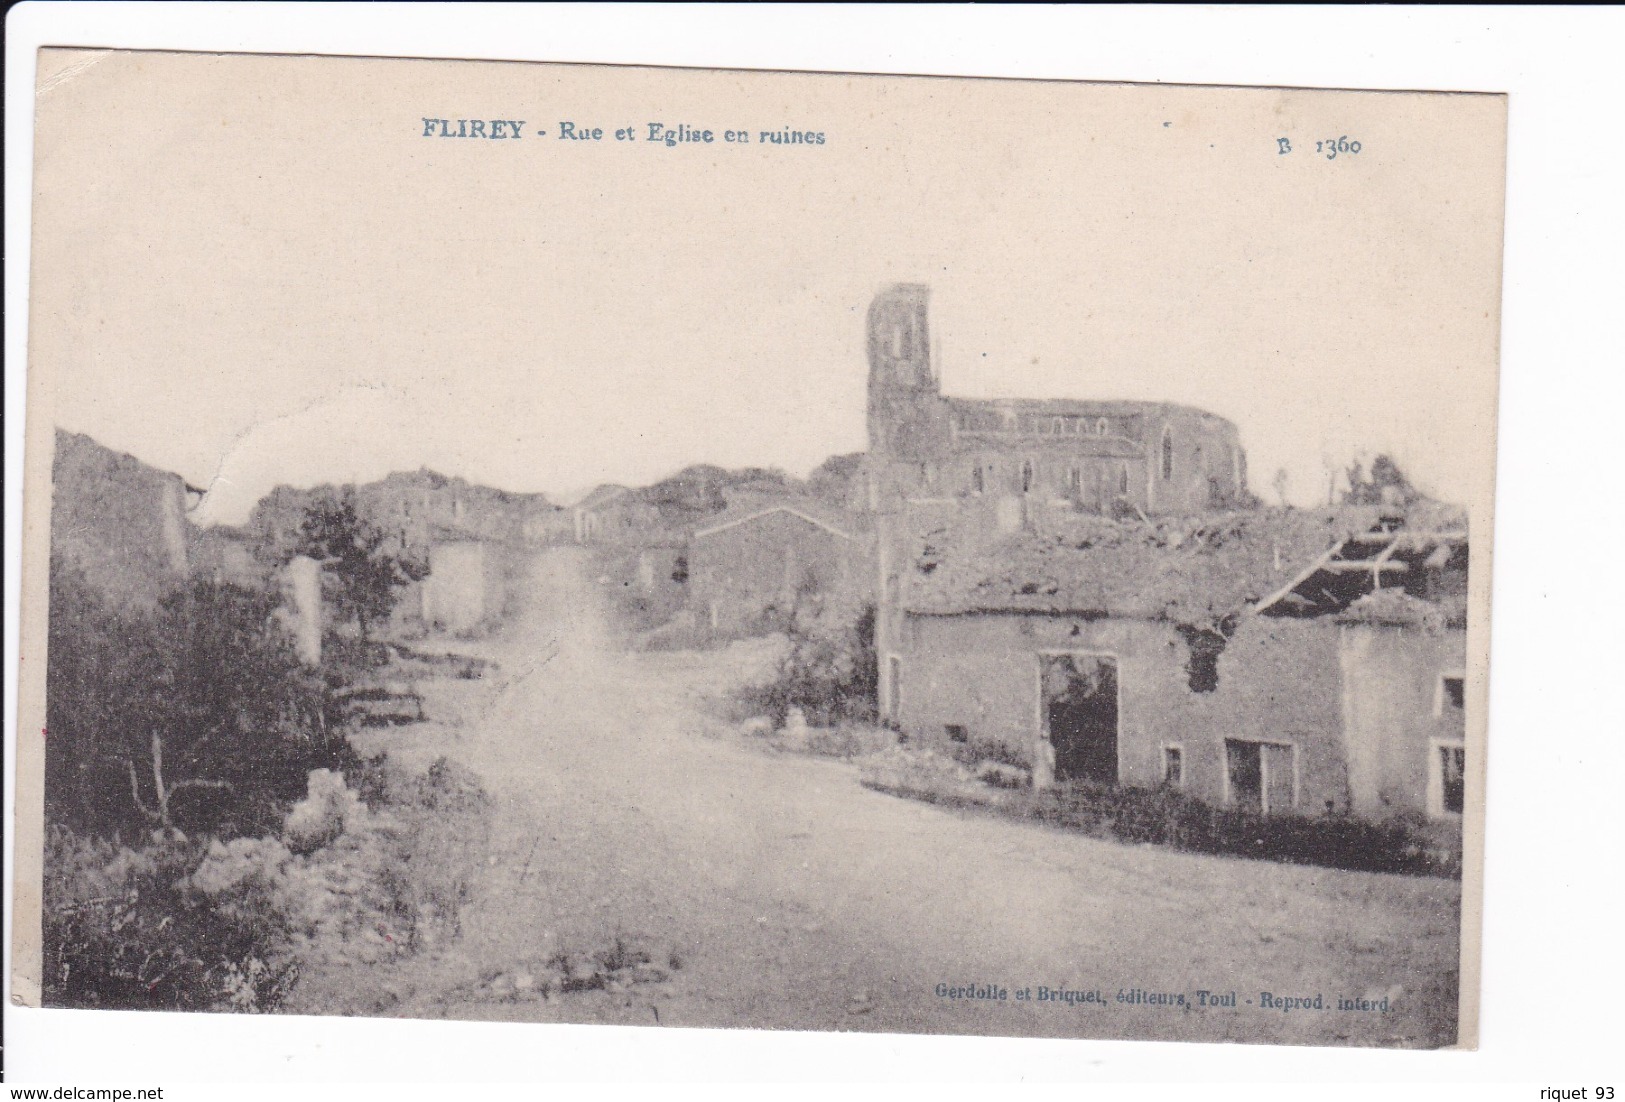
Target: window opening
(1173, 766)
(1451, 763)
(1452, 693)
(1259, 775)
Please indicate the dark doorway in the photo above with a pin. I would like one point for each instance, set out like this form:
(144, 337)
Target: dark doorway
(1080, 716)
(1245, 761)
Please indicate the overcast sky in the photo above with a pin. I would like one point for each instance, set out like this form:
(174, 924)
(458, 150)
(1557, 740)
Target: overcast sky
(254, 271)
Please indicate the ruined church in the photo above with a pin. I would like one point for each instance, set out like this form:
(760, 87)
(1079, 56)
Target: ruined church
(1085, 590)
(1026, 453)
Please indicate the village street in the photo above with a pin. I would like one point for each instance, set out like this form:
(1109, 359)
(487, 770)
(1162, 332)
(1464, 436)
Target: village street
(792, 897)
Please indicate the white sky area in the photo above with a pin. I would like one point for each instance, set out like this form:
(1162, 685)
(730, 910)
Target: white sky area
(253, 289)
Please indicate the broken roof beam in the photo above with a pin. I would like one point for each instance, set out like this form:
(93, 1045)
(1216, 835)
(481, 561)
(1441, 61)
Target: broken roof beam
(1301, 577)
(1339, 566)
(1380, 561)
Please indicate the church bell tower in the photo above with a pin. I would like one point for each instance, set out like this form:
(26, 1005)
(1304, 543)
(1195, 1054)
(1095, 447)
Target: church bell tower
(903, 390)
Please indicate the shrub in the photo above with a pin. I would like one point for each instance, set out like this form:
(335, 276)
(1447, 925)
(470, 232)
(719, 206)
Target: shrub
(829, 673)
(361, 577)
(196, 716)
(128, 929)
(1167, 817)
(978, 750)
(440, 845)
(849, 741)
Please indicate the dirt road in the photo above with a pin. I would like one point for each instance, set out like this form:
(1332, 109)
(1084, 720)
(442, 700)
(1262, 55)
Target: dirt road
(794, 898)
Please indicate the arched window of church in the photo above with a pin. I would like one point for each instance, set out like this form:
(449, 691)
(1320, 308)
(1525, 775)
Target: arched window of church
(1058, 426)
(976, 483)
(1101, 427)
(1167, 454)
(1122, 479)
(1026, 475)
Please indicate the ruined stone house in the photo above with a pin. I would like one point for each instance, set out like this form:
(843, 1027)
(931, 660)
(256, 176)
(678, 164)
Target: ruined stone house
(1149, 655)
(1007, 465)
(1079, 588)
(123, 526)
(601, 516)
(118, 521)
(751, 567)
(467, 589)
(414, 506)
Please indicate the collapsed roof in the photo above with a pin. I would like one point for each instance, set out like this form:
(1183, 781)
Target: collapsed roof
(1390, 575)
(1202, 570)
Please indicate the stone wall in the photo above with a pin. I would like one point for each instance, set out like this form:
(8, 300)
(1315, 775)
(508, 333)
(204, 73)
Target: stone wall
(466, 590)
(118, 521)
(746, 576)
(1397, 712)
(1278, 682)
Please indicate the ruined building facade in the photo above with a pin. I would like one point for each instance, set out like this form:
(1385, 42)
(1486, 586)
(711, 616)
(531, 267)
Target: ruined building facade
(1085, 591)
(990, 468)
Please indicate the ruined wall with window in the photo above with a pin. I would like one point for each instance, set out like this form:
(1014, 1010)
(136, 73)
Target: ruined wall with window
(1088, 456)
(979, 680)
(1405, 717)
(1303, 716)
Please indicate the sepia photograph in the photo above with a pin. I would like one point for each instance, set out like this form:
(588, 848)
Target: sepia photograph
(615, 545)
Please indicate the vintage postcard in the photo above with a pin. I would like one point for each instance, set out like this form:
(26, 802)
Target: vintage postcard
(674, 547)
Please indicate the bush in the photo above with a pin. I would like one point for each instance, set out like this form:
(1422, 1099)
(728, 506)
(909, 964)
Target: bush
(361, 577)
(978, 750)
(128, 929)
(1167, 817)
(441, 832)
(227, 925)
(196, 716)
(829, 673)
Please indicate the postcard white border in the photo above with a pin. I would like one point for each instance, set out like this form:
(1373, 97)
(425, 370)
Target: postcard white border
(1551, 963)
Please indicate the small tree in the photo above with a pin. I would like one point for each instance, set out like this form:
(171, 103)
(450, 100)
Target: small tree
(834, 478)
(1279, 482)
(364, 576)
(830, 673)
(1385, 485)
